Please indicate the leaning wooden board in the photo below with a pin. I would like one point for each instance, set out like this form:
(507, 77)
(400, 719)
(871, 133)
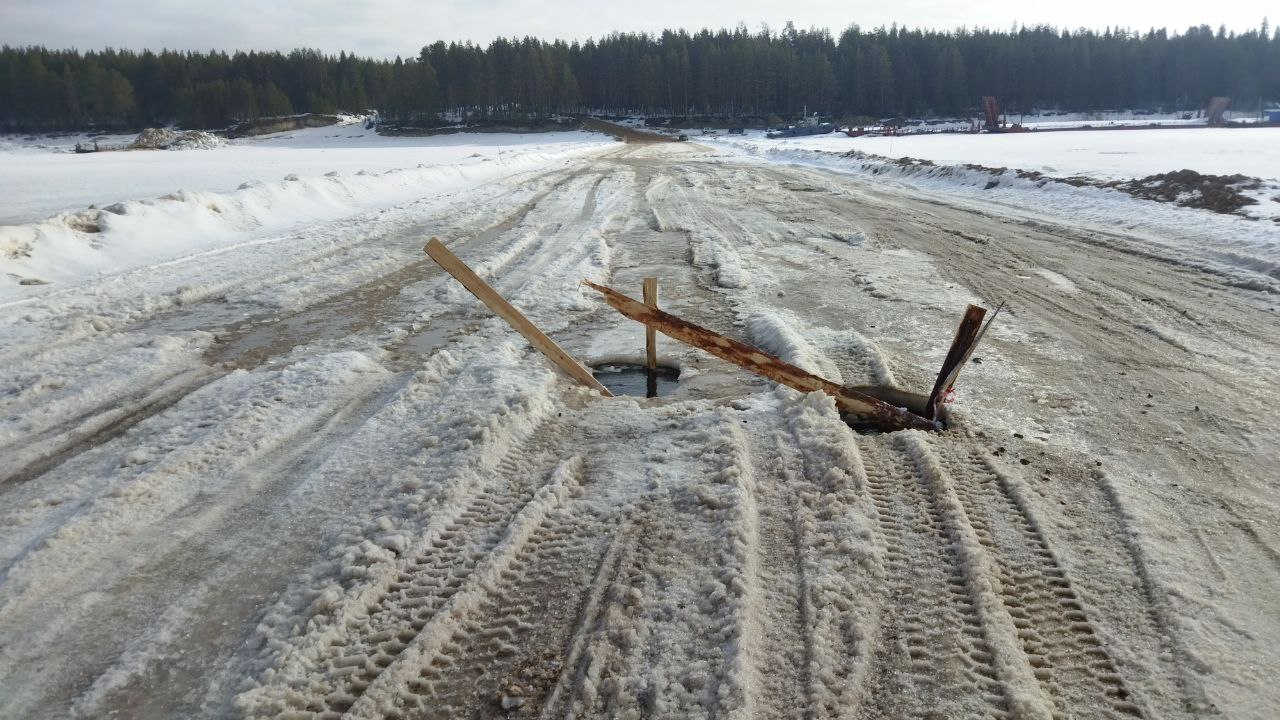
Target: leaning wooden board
(967, 336)
(503, 309)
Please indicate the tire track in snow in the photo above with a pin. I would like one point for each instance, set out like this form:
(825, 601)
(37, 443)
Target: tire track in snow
(512, 650)
(671, 628)
(435, 641)
(686, 204)
(1068, 657)
(370, 304)
(553, 239)
(739, 581)
(373, 436)
(196, 572)
(601, 671)
(668, 242)
(167, 538)
(861, 361)
(589, 649)
(931, 656)
(255, 416)
(101, 424)
(1024, 696)
(1047, 653)
(360, 635)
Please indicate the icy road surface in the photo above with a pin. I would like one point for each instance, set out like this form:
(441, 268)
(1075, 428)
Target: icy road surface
(313, 478)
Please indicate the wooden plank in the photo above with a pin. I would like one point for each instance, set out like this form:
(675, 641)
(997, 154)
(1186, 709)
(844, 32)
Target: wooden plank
(964, 361)
(503, 309)
(878, 412)
(976, 341)
(650, 335)
(961, 346)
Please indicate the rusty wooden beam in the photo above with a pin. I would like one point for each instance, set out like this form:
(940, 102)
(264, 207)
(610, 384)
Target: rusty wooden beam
(961, 347)
(518, 322)
(870, 409)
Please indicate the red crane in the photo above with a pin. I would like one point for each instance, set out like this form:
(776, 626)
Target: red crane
(994, 124)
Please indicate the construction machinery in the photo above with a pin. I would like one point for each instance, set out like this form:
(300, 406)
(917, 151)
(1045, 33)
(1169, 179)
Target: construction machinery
(1216, 109)
(809, 125)
(994, 122)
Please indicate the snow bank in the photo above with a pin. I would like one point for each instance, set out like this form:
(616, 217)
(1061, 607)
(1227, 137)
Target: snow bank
(41, 176)
(773, 331)
(72, 246)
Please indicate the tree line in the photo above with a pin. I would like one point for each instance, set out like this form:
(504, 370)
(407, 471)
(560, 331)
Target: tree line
(883, 72)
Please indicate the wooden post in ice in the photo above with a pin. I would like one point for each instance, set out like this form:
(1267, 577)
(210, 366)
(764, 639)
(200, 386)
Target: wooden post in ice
(967, 336)
(651, 335)
(503, 309)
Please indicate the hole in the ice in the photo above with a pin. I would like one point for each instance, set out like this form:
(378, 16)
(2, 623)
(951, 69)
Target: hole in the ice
(638, 380)
(895, 397)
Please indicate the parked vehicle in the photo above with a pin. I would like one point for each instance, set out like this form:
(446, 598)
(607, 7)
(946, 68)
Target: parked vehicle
(737, 131)
(708, 131)
(683, 138)
(801, 131)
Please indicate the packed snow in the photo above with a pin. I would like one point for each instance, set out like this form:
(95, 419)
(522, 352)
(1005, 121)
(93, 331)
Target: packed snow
(262, 458)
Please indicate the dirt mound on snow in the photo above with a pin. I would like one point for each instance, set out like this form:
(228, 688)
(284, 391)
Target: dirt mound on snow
(1219, 193)
(166, 139)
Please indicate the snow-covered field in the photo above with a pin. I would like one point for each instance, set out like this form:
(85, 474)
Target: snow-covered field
(1102, 154)
(291, 469)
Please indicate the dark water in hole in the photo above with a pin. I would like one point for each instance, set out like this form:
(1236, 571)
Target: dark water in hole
(637, 381)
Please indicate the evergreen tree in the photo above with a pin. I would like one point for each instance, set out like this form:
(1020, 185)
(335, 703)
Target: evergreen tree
(885, 72)
(271, 101)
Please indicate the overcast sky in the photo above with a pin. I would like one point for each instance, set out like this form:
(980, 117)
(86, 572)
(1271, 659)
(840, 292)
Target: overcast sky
(385, 28)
